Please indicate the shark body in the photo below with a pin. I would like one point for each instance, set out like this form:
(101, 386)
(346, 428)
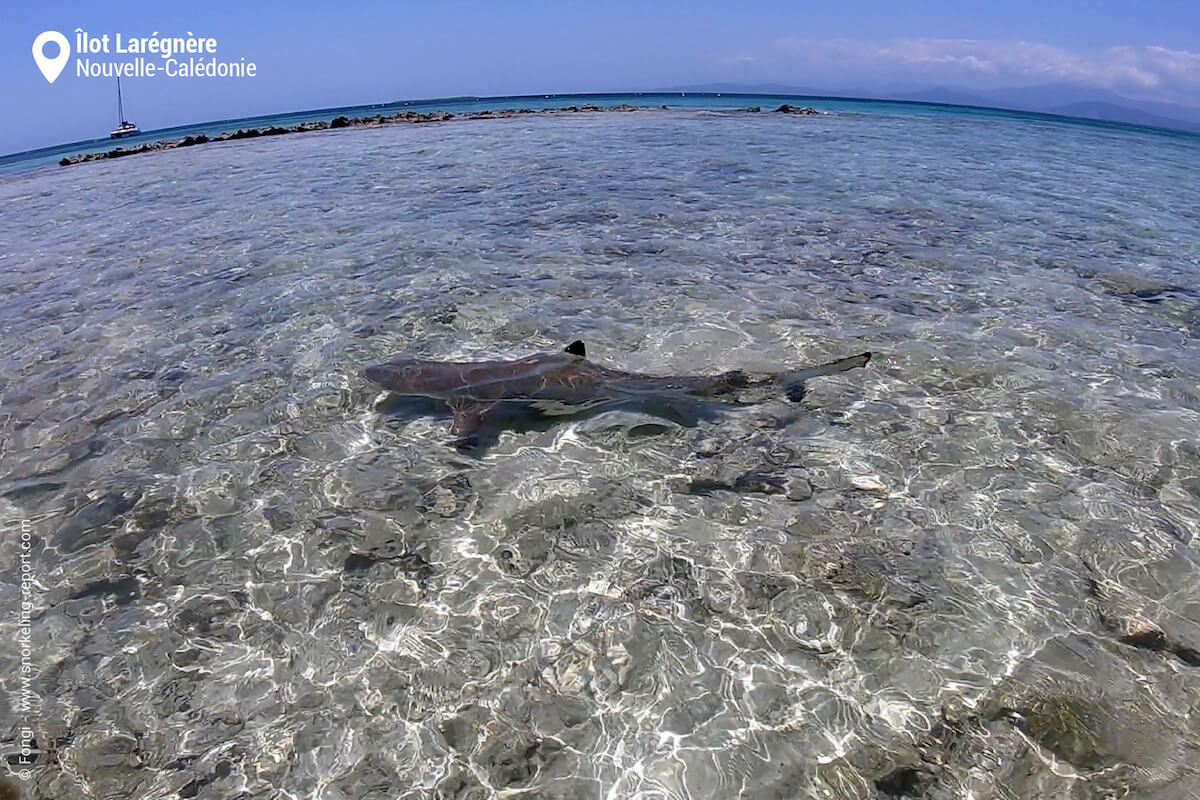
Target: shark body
(566, 383)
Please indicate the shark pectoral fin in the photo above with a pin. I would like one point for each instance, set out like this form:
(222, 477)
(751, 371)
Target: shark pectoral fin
(576, 348)
(468, 418)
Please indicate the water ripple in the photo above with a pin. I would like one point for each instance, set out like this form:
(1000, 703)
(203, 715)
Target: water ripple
(969, 569)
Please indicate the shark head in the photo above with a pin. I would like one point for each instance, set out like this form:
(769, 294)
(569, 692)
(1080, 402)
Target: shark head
(389, 376)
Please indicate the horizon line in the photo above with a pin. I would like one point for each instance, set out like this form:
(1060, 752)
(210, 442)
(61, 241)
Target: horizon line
(21, 155)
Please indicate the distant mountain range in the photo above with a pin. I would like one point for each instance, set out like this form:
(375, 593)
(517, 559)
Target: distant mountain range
(1059, 98)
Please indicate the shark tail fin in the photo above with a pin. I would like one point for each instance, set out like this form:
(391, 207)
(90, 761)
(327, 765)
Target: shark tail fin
(794, 381)
(576, 348)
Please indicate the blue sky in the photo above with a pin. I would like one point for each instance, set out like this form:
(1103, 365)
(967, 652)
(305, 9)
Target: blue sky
(313, 55)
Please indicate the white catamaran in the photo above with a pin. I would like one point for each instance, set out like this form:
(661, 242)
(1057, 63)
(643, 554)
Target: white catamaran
(124, 127)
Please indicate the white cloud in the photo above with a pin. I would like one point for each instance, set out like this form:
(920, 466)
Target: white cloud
(1149, 70)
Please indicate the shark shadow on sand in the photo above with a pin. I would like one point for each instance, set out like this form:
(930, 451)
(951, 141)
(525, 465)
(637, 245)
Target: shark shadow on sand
(534, 393)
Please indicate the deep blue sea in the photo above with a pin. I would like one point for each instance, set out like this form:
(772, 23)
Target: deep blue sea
(967, 570)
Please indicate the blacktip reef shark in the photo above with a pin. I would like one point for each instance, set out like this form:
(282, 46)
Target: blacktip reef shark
(567, 383)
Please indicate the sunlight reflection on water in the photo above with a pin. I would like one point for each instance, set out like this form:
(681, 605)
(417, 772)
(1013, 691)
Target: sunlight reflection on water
(968, 569)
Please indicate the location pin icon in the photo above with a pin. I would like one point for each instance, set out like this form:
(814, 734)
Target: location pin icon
(51, 67)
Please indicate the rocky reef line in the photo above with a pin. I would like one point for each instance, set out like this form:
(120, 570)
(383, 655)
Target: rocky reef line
(376, 121)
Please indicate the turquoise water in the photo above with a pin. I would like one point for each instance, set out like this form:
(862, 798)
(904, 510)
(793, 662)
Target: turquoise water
(967, 570)
(465, 105)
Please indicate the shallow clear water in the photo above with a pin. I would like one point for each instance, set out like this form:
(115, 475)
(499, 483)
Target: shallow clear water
(968, 570)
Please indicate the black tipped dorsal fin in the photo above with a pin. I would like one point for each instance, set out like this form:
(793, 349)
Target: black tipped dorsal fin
(576, 348)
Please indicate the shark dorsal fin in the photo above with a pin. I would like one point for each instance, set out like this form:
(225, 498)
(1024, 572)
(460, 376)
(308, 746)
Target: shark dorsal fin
(576, 348)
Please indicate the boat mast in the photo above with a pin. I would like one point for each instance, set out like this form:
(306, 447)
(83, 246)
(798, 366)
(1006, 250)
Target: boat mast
(120, 107)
